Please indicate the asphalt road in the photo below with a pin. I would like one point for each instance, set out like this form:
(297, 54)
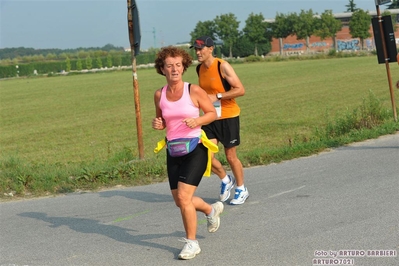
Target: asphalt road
(336, 208)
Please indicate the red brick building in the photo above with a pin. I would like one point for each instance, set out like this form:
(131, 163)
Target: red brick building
(345, 42)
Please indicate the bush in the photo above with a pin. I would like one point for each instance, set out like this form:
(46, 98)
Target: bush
(332, 52)
(253, 58)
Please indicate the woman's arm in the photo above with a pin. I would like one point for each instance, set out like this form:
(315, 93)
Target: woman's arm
(158, 122)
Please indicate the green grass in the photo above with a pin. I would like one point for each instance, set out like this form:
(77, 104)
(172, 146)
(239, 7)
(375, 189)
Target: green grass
(80, 131)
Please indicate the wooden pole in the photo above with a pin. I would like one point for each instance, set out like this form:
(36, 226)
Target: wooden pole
(135, 81)
(387, 63)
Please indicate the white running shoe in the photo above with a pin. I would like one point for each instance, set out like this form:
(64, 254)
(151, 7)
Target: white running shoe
(240, 196)
(190, 249)
(214, 221)
(225, 189)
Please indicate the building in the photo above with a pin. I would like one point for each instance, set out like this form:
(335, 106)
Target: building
(345, 42)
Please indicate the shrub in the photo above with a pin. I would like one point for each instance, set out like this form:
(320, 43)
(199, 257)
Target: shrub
(332, 52)
(253, 58)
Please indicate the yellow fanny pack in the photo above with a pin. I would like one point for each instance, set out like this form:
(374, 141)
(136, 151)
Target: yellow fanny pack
(212, 148)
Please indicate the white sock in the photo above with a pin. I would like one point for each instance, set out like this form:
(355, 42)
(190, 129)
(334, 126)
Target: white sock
(212, 212)
(192, 240)
(242, 187)
(226, 179)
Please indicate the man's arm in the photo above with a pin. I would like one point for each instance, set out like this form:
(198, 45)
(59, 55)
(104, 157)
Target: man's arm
(237, 89)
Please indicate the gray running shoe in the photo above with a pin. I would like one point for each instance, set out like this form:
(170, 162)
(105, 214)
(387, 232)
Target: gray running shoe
(190, 249)
(214, 221)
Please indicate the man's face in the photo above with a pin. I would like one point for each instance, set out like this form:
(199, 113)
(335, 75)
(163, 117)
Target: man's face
(203, 53)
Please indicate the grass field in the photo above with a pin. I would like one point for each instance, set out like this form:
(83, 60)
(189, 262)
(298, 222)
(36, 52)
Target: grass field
(91, 117)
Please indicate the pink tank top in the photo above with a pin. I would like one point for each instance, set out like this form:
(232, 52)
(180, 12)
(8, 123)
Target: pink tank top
(175, 112)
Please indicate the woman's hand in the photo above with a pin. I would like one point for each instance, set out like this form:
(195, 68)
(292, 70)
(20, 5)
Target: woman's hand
(158, 123)
(191, 122)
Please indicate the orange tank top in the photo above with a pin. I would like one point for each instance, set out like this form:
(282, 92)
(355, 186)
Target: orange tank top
(210, 80)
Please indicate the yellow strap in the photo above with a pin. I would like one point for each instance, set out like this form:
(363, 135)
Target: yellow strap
(160, 145)
(212, 148)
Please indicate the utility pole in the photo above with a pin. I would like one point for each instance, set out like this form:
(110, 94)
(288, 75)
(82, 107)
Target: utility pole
(155, 37)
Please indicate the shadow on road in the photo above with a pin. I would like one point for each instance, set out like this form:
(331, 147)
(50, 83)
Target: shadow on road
(144, 196)
(137, 195)
(90, 226)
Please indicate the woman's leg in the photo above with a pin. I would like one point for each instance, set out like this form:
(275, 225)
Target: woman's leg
(189, 205)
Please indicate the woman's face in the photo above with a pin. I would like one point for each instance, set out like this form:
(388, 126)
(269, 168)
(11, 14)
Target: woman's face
(173, 68)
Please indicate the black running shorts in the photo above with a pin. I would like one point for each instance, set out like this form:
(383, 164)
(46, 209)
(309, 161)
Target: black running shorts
(227, 131)
(189, 168)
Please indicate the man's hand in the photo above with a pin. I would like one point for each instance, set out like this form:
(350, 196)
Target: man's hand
(397, 84)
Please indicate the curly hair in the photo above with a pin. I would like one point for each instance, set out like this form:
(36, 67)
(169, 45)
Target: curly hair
(171, 51)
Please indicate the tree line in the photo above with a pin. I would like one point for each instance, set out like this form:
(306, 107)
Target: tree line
(258, 32)
(51, 54)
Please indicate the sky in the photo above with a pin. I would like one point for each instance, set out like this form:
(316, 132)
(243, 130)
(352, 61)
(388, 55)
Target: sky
(70, 24)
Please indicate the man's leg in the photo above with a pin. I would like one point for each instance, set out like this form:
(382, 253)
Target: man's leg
(217, 167)
(241, 192)
(228, 182)
(235, 164)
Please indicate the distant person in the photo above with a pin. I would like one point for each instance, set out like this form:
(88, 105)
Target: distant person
(177, 108)
(222, 85)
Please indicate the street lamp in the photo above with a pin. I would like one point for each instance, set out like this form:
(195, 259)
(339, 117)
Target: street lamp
(17, 70)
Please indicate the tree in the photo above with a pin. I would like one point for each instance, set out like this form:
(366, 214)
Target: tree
(304, 26)
(27, 58)
(82, 54)
(394, 5)
(255, 30)
(109, 47)
(206, 28)
(89, 62)
(244, 47)
(99, 53)
(79, 65)
(328, 26)
(359, 25)
(5, 62)
(63, 56)
(226, 28)
(99, 62)
(109, 60)
(282, 27)
(67, 64)
(351, 7)
(393, 18)
(117, 59)
(51, 56)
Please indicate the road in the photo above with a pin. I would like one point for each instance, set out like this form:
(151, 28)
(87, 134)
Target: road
(336, 208)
